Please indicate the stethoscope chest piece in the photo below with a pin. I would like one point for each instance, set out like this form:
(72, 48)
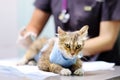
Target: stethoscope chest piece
(64, 16)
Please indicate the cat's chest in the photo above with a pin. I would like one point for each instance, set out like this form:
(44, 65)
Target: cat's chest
(57, 57)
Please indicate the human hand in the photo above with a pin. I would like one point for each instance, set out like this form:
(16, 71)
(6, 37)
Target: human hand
(25, 38)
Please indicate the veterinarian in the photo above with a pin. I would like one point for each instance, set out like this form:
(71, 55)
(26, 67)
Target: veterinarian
(102, 16)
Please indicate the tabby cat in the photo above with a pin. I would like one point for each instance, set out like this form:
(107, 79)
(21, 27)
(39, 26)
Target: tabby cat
(60, 55)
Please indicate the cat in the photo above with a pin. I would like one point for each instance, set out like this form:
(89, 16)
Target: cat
(61, 54)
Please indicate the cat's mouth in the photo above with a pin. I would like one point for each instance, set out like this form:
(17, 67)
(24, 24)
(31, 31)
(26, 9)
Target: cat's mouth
(70, 56)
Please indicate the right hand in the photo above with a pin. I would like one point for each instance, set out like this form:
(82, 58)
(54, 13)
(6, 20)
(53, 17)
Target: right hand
(25, 38)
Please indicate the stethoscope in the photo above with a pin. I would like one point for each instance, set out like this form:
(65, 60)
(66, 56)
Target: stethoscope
(64, 16)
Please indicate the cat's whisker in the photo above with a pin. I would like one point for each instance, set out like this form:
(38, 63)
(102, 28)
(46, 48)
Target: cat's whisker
(84, 58)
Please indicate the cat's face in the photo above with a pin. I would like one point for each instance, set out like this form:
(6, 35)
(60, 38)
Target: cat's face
(71, 43)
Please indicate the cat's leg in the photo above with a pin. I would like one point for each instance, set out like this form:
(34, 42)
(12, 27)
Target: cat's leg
(59, 70)
(27, 57)
(77, 68)
(23, 61)
(30, 54)
(32, 51)
(44, 65)
(51, 67)
(43, 62)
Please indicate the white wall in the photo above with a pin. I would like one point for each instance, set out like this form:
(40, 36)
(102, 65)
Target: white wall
(25, 10)
(8, 28)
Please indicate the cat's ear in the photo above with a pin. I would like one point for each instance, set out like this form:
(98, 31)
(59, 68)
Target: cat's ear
(84, 31)
(60, 31)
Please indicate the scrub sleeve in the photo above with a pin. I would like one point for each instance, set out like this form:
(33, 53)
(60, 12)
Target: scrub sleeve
(43, 5)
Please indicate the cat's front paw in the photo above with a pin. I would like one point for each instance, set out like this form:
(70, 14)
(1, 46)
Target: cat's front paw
(22, 62)
(65, 72)
(79, 72)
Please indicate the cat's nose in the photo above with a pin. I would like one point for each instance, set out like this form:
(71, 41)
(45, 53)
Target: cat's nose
(72, 54)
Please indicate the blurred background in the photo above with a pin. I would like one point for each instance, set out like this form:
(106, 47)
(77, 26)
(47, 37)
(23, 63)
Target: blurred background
(14, 14)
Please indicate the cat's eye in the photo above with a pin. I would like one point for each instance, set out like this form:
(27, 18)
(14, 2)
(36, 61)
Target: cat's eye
(78, 46)
(67, 45)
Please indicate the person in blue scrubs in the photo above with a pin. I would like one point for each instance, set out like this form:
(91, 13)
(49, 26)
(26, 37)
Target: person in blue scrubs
(102, 16)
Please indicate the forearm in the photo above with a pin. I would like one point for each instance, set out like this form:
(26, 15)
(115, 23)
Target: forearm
(105, 41)
(96, 45)
(38, 21)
